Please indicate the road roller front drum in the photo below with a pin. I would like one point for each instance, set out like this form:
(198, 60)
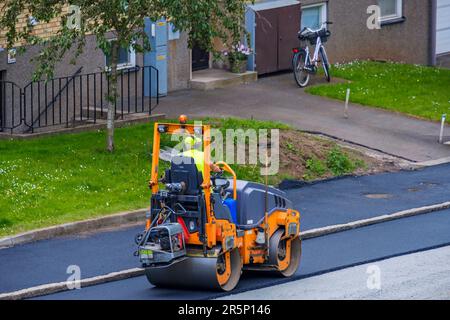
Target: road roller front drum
(229, 269)
(221, 273)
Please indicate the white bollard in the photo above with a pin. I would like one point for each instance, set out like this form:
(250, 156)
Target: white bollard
(347, 99)
(441, 134)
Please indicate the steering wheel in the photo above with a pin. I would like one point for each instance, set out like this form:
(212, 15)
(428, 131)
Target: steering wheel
(219, 187)
(217, 175)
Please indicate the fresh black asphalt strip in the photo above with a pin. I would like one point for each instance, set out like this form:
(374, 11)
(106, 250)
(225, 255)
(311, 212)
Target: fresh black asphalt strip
(322, 204)
(320, 255)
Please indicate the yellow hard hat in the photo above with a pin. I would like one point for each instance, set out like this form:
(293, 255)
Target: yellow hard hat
(192, 141)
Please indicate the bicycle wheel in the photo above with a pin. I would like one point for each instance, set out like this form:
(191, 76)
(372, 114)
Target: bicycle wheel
(325, 63)
(299, 63)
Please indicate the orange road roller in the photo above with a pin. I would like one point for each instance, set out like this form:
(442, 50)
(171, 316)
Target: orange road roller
(204, 229)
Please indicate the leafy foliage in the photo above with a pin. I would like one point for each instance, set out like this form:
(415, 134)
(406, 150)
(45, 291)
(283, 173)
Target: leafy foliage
(316, 168)
(123, 20)
(339, 163)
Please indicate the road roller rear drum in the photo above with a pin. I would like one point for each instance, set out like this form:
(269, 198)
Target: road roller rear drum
(285, 253)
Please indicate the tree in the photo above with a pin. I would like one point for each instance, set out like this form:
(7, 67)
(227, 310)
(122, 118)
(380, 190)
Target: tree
(121, 20)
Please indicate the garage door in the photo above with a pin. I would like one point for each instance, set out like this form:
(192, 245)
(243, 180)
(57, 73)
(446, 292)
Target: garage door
(443, 26)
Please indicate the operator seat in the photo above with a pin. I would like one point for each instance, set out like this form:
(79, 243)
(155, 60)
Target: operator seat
(183, 169)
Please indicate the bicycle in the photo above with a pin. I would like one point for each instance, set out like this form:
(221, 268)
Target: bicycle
(302, 63)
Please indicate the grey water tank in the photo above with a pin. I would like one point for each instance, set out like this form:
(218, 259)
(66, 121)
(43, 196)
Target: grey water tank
(251, 201)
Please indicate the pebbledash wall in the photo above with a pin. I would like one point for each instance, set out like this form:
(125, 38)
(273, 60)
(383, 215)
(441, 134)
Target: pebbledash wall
(406, 40)
(93, 60)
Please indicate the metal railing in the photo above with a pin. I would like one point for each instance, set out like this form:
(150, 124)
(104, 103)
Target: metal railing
(77, 99)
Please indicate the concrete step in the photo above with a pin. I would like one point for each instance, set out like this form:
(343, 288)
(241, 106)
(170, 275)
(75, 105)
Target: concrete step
(86, 125)
(92, 113)
(216, 78)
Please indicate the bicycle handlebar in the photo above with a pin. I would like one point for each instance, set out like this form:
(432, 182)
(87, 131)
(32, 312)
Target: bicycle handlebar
(318, 30)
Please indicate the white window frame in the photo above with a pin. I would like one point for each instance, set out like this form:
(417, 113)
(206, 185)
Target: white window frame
(130, 64)
(398, 12)
(323, 10)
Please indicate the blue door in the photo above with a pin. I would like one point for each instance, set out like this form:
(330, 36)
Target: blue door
(157, 57)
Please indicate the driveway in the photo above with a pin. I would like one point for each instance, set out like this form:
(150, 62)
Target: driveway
(278, 98)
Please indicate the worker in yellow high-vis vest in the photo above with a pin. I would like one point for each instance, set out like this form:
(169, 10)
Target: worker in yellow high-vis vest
(192, 149)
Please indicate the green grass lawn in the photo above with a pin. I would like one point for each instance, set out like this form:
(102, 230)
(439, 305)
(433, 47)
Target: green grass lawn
(69, 177)
(415, 90)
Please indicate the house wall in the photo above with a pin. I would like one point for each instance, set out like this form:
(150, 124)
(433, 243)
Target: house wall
(407, 41)
(76, 99)
(93, 60)
(443, 61)
(179, 63)
(43, 30)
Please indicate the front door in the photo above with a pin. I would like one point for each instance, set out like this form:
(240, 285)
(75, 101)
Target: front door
(266, 39)
(200, 59)
(275, 36)
(288, 27)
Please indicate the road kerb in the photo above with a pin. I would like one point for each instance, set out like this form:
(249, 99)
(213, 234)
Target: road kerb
(314, 233)
(73, 228)
(51, 288)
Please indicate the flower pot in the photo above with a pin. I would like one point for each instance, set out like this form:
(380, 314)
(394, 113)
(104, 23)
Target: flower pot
(238, 66)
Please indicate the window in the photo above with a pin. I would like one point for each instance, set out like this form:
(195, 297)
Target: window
(127, 58)
(390, 9)
(314, 16)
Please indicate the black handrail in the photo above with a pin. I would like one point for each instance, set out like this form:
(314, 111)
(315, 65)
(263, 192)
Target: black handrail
(51, 104)
(80, 98)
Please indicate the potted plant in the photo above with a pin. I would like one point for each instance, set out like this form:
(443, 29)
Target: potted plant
(237, 57)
